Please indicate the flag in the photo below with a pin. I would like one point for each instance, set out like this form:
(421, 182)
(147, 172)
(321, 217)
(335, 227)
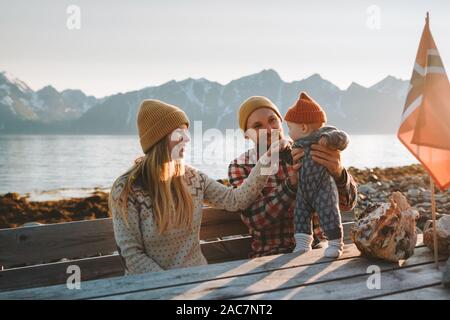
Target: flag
(425, 123)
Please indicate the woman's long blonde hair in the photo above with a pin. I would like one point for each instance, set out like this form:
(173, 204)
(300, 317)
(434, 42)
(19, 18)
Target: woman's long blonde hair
(163, 178)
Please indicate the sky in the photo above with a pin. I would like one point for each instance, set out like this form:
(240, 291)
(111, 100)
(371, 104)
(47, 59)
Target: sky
(127, 45)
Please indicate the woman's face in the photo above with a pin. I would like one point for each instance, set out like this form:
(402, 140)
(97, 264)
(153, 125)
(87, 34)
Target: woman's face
(177, 141)
(262, 125)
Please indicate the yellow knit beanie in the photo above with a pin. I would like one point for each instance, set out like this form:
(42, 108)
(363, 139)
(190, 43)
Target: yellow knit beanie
(252, 104)
(156, 119)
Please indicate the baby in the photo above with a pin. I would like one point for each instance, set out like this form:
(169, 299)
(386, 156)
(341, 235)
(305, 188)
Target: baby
(317, 190)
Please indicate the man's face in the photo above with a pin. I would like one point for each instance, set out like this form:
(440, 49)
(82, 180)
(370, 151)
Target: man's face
(263, 125)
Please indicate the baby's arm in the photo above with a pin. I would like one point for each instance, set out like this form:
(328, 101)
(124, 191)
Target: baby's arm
(334, 139)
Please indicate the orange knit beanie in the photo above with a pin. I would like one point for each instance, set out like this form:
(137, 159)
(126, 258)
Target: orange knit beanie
(305, 110)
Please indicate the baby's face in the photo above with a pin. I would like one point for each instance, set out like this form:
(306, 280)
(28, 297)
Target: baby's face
(297, 130)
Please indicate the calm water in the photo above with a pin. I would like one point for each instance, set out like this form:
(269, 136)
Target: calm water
(33, 163)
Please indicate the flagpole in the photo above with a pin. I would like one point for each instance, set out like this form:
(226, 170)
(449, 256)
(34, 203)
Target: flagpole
(433, 215)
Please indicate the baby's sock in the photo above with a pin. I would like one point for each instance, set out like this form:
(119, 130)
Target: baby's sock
(335, 248)
(303, 241)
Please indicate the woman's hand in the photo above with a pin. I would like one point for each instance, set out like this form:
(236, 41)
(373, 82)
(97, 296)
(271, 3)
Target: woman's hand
(330, 159)
(278, 146)
(272, 156)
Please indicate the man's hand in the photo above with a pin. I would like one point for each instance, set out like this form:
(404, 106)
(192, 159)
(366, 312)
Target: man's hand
(330, 159)
(323, 141)
(297, 154)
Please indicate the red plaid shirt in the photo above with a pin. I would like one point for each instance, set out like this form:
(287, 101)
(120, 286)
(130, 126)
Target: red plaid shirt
(270, 219)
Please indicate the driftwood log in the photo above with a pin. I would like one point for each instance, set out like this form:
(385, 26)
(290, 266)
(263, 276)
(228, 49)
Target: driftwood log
(387, 230)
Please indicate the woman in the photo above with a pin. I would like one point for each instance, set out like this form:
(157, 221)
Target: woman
(157, 205)
(270, 217)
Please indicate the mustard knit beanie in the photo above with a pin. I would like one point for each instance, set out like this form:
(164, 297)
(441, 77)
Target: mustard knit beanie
(252, 104)
(156, 119)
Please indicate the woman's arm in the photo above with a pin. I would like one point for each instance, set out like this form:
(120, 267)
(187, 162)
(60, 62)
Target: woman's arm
(234, 199)
(265, 210)
(128, 235)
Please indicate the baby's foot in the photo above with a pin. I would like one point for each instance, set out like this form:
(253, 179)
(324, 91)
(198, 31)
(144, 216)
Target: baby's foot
(335, 248)
(304, 242)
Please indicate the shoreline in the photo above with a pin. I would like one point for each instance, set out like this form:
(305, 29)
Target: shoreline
(374, 185)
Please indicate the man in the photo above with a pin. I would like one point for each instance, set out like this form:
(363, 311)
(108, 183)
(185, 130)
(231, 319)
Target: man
(270, 219)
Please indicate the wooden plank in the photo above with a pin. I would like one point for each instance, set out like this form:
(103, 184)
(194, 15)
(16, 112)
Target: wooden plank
(263, 285)
(56, 273)
(180, 277)
(223, 251)
(170, 278)
(45, 243)
(25, 246)
(217, 223)
(226, 250)
(105, 266)
(356, 287)
(433, 292)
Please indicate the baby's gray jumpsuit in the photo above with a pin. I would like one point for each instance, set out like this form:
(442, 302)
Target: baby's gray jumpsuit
(317, 190)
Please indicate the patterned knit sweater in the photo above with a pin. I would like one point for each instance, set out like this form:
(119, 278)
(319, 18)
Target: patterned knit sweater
(138, 241)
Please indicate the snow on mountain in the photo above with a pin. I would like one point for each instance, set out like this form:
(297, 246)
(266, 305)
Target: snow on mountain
(356, 109)
(18, 83)
(7, 101)
(45, 105)
(393, 86)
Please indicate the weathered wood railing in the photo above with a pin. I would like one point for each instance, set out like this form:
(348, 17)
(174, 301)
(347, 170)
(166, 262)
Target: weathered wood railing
(40, 255)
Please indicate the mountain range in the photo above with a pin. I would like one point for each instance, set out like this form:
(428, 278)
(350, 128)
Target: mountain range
(357, 109)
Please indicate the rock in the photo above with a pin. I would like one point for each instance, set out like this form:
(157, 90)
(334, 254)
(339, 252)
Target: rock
(443, 234)
(442, 199)
(425, 205)
(12, 195)
(446, 275)
(94, 198)
(385, 185)
(387, 230)
(413, 193)
(427, 195)
(366, 188)
(32, 224)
